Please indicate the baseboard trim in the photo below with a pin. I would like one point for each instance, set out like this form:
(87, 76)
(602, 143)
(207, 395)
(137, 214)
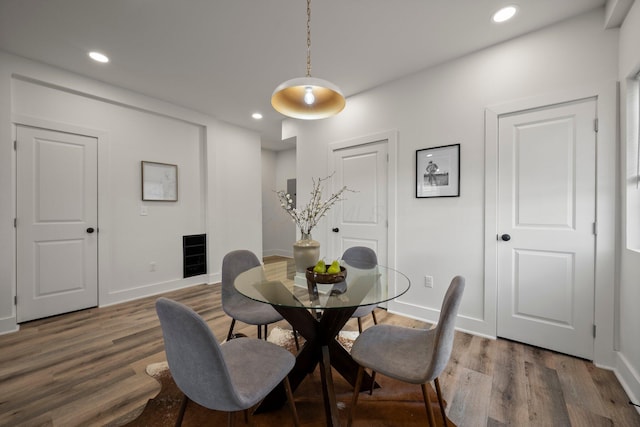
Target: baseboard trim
(629, 379)
(471, 325)
(126, 295)
(278, 252)
(8, 325)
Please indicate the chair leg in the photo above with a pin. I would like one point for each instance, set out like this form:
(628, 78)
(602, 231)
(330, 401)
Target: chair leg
(259, 332)
(373, 382)
(230, 334)
(248, 413)
(230, 418)
(356, 392)
(183, 408)
(373, 314)
(266, 332)
(440, 402)
(292, 403)
(295, 337)
(427, 404)
(359, 325)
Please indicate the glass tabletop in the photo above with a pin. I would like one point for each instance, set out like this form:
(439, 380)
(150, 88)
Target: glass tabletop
(361, 285)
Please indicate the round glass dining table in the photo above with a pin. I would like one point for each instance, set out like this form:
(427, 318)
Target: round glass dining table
(318, 312)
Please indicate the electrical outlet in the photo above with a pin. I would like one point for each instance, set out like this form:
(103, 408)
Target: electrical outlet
(428, 281)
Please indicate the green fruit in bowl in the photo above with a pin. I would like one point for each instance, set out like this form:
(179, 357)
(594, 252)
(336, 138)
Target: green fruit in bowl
(320, 267)
(334, 267)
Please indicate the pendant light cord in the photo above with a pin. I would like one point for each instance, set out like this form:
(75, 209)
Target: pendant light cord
(308, 38)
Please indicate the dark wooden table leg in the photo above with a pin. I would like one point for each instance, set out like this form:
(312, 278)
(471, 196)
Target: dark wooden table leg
(342, 361)
(320, 347)
(328, 390)
(331, 324)
(306, 360)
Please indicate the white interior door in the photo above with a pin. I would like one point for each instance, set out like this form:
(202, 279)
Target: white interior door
(361, 219)
(546, 205)
(57, 239)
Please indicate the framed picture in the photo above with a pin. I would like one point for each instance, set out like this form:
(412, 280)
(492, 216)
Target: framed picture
(438, 171)
(159, 182)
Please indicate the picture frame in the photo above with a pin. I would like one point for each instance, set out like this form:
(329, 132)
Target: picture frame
(438, 171)
(159, 181)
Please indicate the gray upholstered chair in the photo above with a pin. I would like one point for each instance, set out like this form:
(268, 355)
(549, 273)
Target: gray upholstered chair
(416, 356)
(236, 305)
(235, 376)
(361, 257)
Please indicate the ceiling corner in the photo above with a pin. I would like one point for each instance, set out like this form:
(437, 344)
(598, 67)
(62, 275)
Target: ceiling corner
(615, 12)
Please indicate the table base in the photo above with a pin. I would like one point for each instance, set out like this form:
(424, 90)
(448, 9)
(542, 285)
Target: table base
(321, 347)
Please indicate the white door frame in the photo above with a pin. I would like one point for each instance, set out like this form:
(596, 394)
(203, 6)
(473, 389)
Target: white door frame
(606, 310)
(391, 136)
(104, 274)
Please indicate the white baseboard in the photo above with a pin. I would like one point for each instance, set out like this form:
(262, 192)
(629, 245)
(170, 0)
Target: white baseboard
(471, 325)
(629, 379)
(278, 252)
(215, 278)
(150, 290)
(8, 325)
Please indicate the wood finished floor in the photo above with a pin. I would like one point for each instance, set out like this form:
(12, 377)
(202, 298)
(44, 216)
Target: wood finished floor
(87, 368)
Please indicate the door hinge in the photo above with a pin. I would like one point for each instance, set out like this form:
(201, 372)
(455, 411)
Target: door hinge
(15, 222)
(595, 125)
(595, 228)
(15, 300)
(15, 145)
(594, 330)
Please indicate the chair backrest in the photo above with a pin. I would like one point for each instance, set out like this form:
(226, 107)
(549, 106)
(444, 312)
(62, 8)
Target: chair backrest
(233, 264)
(360, 257)
(195, 358)
(443, 342)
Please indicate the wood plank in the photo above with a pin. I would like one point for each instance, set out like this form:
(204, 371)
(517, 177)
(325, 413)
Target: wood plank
(578, 387)
(471, 401)
(508, 393)
(581, 416)
(544, 397)
(614, 398)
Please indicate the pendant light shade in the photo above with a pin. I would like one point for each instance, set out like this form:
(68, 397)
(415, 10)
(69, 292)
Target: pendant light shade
(308, 98)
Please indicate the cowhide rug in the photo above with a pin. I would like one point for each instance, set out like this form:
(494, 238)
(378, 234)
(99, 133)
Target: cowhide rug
(393, 404)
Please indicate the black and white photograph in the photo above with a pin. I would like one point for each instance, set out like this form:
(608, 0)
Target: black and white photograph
(438, 171)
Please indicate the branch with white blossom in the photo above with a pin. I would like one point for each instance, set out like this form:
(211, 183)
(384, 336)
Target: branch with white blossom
(309, 216)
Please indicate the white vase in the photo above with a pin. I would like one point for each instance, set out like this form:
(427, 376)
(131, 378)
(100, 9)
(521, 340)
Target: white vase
(306, 253)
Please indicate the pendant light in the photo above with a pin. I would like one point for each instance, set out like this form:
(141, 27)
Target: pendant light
(308, 98)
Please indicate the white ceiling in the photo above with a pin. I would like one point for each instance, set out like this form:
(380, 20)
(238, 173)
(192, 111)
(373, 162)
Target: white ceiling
(225, 57)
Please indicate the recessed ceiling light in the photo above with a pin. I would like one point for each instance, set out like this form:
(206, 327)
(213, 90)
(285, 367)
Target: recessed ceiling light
(504, 14)
(256, 116)
(99, 57)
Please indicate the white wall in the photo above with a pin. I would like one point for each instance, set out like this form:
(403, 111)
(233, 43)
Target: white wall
(446, 105)
(279, 232)
(215, 162)
(629, 316)
(131, 135)
(236, 204)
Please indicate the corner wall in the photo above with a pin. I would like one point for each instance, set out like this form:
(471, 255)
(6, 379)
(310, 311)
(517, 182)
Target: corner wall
(628, 366)
(278, 230)
(130, 128)
(445, 105)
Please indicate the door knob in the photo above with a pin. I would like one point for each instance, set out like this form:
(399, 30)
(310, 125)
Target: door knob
(90, 230)
(505, 237)
(335, 229)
